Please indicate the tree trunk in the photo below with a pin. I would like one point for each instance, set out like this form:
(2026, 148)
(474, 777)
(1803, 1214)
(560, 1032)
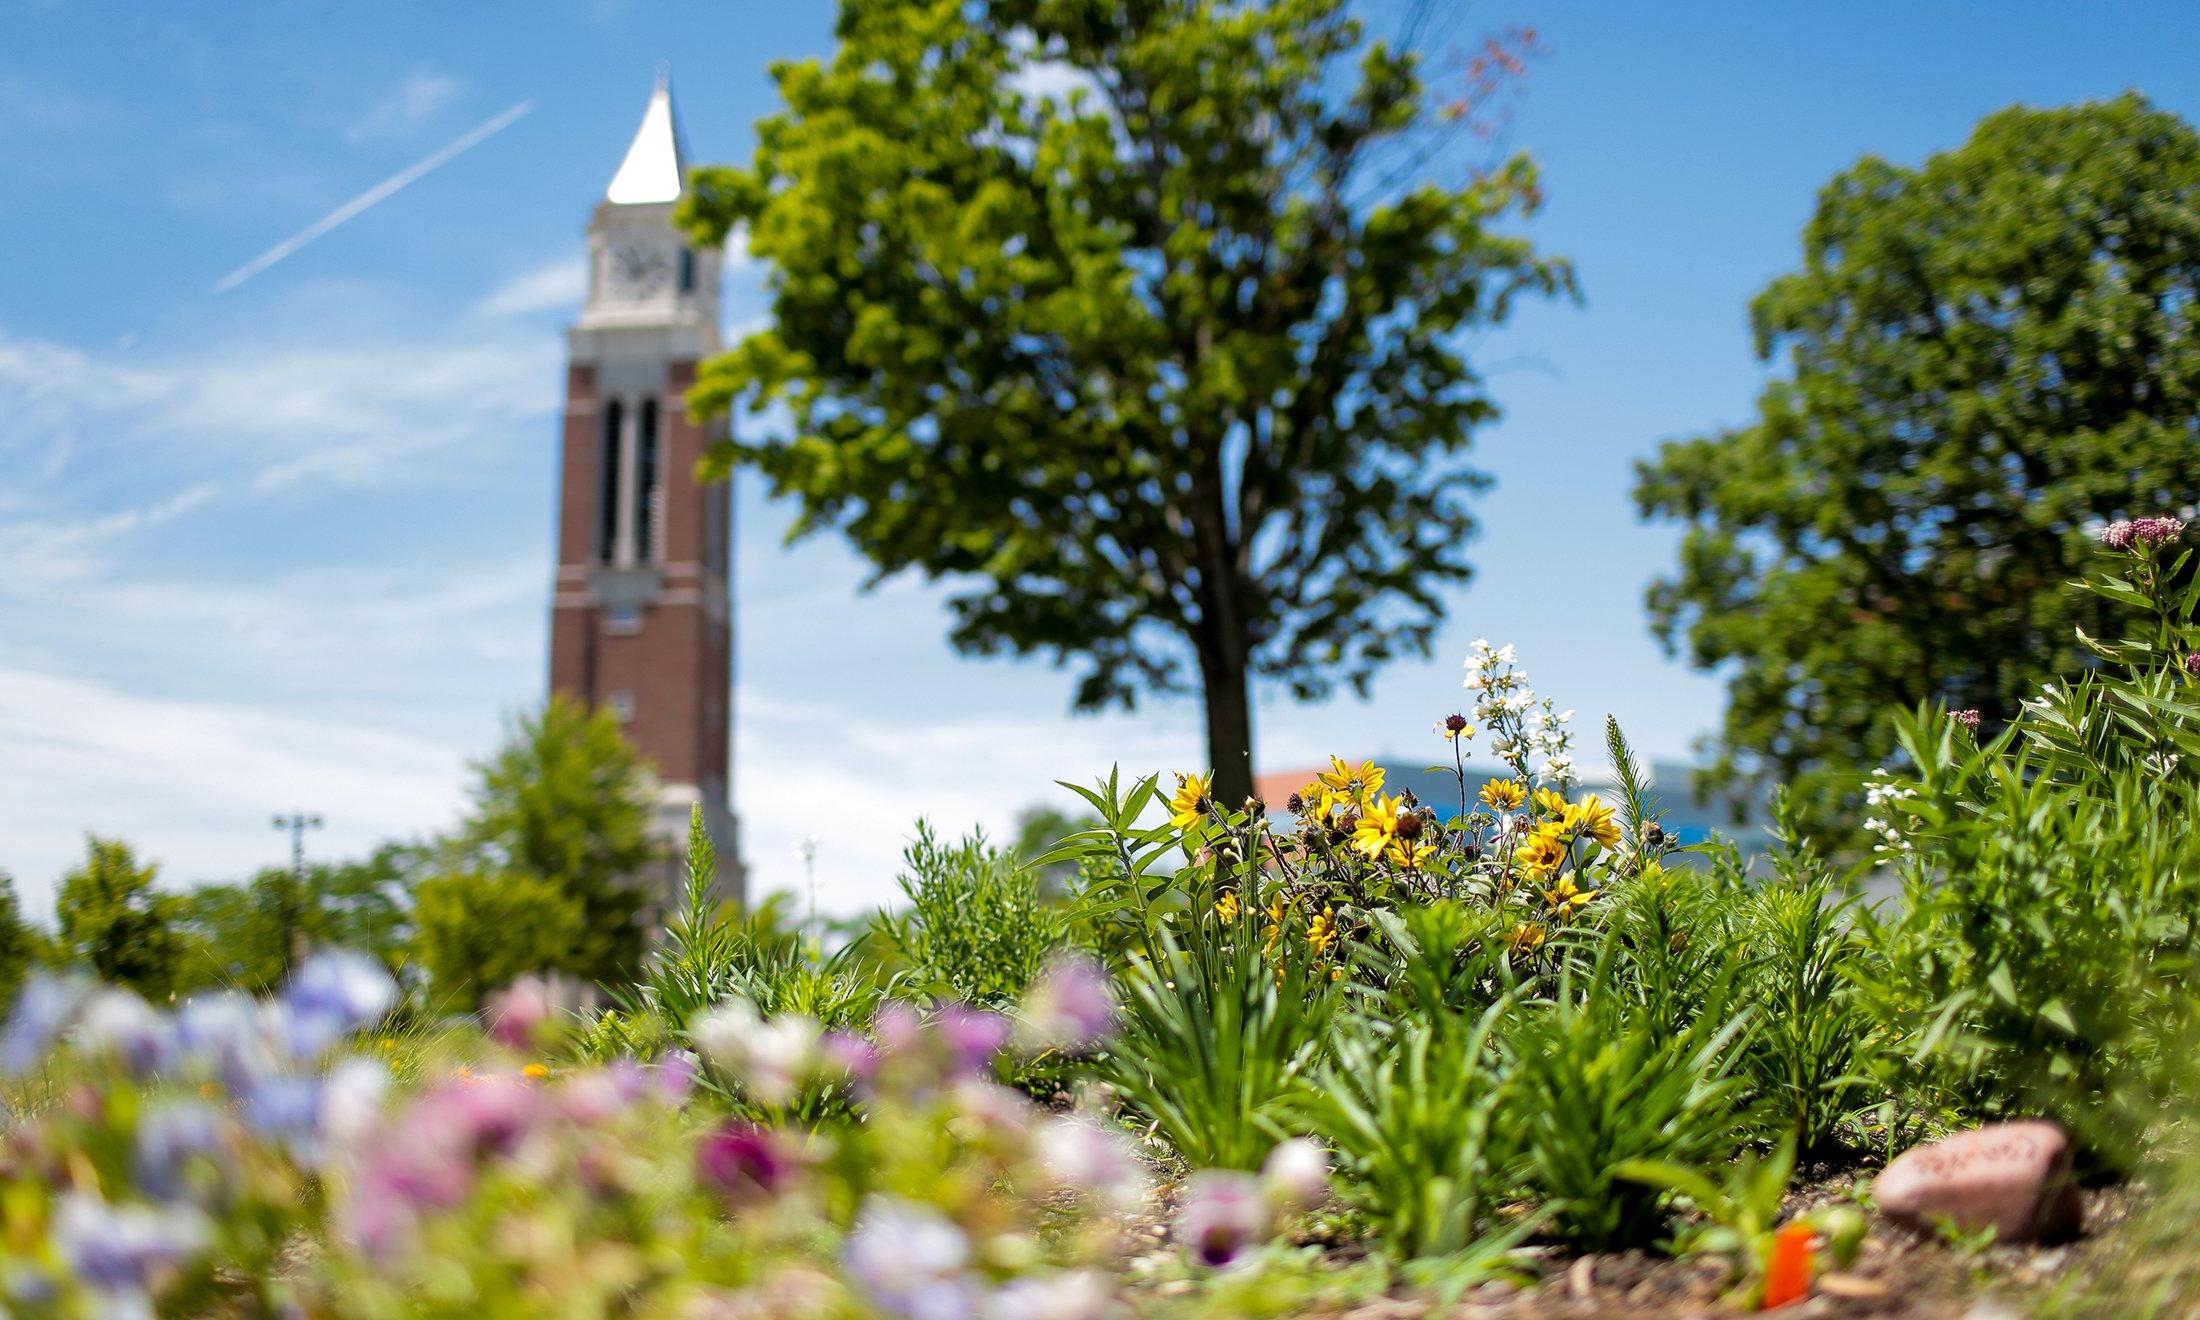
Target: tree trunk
(1229, 722)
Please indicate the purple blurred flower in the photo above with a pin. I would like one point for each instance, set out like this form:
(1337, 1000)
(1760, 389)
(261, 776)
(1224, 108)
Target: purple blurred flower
(1062, 1295)
(1295, 1176)
(119, 1249)
(1967, 718)
(973, 1037)
(1080, 1153)
(518, 1013)
(331, 995)
(849, 1054)
(675, 1076)
(898, 1027)
(286, 1108)
(230, 1034)
(601, 1094)
(2192, 664)
(910, 1260)
(487, 1115)
(744, 1163)
(1071, 1006)
(46, 1004)
(1222, 1216)
(169, 1138)
(120, 1025)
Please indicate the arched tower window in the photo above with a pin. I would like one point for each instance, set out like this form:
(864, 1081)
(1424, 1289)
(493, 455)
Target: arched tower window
(607, 532)
(645, 484)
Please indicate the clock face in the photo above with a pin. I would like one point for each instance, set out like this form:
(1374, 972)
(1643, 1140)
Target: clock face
(638, 271)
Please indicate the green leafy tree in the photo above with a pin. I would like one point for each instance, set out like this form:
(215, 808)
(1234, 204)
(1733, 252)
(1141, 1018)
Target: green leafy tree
(475, 932)
(248, 935)
(1986, 356)
(109, 916)
(1167, 366)
(18, 942)
(564, 801)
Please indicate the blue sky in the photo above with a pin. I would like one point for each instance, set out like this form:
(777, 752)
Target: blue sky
(289, 545)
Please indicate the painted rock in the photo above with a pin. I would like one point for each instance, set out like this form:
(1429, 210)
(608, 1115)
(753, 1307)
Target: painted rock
(2013, 1177)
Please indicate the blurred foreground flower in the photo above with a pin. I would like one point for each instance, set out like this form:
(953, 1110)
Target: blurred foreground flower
(1070, 1006)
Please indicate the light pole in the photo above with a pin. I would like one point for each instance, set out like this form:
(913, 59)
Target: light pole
(297, 822)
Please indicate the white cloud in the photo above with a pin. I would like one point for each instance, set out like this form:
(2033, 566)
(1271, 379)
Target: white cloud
(859, 781)
(557, 285)
(297, 407)
(193, 783)
(418, 97)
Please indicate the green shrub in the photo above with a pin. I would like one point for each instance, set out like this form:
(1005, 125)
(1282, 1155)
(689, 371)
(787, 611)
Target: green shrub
(474, 933)
(711, 953)
(1598, 1084)
(1421, 1124)
(977, 929)
(1216, 1042)
(1814, 1040)
(2041, 960)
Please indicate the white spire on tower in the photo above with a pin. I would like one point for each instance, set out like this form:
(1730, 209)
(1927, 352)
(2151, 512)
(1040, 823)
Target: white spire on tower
(655, 168)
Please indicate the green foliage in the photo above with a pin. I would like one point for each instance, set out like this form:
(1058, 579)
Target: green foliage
(1598, 1084)
(562, 802)
(1815, 1040)
(475, 933)
(1216, 1043)
(711, 953)
(246, 936)
(977, 928)
(1987, 353)
(111, 918)
(2042, 959)
(1421, 1125)
(1176, 357)
(19, 943)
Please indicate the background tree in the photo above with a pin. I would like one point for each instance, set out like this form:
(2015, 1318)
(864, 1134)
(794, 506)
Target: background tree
(246, 935)
(1987, 356)
(109, 916)
(563, 801)
(1143, 317)
(475, 932)
(18, 942)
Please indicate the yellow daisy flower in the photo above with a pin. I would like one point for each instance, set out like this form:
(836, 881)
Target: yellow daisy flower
(1565, 897)
(1190, 802)
(535, 1072)
(1550, 802)
(1591, 819)
(1503, 794)
(1543, 853)
(1411, 853)
(1348, 783)
(1526, 938)
(1322, 931)
(1378, 825)
(1227, 907)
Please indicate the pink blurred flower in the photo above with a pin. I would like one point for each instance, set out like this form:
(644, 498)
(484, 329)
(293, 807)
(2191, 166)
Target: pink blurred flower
(973, 1037)
(744, 1163)
(521, 1013)
(1222, 1217)
(1071, 1006)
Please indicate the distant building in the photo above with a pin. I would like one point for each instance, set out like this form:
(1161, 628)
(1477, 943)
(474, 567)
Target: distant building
(641, 615)
(1678, 810)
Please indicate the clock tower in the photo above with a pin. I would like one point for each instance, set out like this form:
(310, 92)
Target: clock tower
(641, 617)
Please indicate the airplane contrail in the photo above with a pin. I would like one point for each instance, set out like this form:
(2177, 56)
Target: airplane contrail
(371, 196)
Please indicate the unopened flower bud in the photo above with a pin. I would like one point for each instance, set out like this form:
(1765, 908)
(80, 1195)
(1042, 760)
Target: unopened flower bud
(1409, 826)
(1654, 834)
(1455, 724)
(1255, 808)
